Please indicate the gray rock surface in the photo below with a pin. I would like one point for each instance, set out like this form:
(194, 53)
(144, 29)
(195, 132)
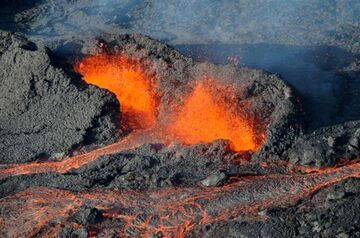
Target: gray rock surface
(312, 44)
(331, 212)
(326, 146)
(43, 111)
(216, 179)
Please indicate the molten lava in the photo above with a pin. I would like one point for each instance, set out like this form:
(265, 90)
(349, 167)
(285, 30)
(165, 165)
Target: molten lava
(41, 212)
(209, 113)
(128, 81)
(207, 116)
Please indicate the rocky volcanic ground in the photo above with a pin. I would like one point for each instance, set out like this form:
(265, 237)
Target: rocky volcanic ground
(308, 106)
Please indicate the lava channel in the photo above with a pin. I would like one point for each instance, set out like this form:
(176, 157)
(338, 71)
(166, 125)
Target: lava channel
(43, 211)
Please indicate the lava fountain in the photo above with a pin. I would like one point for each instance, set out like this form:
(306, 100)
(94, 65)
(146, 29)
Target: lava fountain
(125, 78)
(206, 116)
(208, 113)
(207, 108)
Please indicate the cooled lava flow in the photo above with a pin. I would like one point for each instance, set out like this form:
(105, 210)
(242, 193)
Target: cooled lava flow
(210, 112)
(168, 213)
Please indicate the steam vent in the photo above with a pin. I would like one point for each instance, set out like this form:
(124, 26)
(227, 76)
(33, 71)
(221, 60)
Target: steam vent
(127, 118)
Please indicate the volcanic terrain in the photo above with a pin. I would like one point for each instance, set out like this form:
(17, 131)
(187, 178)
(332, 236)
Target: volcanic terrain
(108, 132)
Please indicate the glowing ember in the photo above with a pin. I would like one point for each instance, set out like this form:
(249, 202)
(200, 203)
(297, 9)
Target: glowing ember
(125, 78)
(207, 116)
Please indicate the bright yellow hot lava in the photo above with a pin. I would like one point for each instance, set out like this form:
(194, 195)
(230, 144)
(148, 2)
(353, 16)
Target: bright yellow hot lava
(126, 79)
(207, 116)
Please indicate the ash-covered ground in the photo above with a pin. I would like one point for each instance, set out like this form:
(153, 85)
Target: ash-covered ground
(304, 97)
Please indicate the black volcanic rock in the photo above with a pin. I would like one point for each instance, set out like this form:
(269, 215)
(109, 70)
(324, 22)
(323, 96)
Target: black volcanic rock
(332, 212)
(46, 111)
(146, 167)
(43, 111)
(267, 101)
(87, 216)
(326, 146)
(70, 114)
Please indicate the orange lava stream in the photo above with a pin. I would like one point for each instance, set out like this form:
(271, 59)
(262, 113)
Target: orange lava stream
(134, 140)
(167, 213)
(207, 114)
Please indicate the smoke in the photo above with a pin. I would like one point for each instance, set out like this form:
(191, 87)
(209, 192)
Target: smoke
(197, 21)
(305, 41)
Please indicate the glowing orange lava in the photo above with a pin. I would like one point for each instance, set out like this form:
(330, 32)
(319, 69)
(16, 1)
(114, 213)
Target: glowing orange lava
(209, 113)
(205, 116)
(208, 116)
(169, 212)
(128, 81)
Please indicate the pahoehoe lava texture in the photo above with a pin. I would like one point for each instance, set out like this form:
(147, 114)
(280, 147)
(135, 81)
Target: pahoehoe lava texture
(147, 167)
(43, 113)
(172, 212)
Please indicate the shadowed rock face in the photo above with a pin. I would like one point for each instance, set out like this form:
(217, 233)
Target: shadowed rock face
(43, 113)
(326, 146)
